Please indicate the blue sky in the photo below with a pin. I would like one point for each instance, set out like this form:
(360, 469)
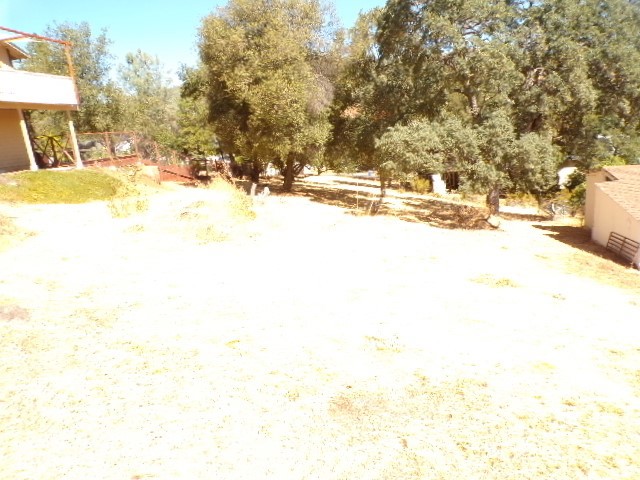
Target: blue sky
(166, 28)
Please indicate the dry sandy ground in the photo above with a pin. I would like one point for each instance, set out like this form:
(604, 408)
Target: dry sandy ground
(309, 343)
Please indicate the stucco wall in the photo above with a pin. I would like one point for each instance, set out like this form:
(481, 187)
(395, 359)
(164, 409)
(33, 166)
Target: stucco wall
(33, 91)
(13, 153)
(589, 204)
(613, 218)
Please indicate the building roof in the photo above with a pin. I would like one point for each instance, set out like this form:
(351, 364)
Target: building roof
(15, 52)
(625, 188)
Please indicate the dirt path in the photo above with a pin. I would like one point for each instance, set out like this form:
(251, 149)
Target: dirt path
(310, 343)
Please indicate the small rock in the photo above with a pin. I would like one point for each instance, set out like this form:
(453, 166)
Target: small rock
(494, 221)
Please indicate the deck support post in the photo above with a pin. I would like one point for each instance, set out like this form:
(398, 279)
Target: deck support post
(74, 142)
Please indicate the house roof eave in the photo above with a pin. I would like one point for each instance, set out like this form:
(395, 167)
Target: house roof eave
(15, 52)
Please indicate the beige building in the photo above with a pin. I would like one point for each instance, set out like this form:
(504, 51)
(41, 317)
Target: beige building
(19, 91)
(613, 206)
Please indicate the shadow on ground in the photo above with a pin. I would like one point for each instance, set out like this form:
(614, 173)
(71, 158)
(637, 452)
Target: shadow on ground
(580, 238)
(434, 212)
(526, 217)
(442, 214)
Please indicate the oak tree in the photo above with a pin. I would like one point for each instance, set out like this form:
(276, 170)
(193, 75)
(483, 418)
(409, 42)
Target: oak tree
(267, 91)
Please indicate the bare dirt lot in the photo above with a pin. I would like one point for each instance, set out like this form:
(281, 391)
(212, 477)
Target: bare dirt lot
(311, 343)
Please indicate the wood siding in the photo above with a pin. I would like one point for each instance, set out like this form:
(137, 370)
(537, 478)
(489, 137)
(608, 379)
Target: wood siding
(4, 58)
(13, 153)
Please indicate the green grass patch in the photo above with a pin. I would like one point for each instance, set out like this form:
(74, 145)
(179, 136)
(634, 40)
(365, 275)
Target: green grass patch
(59, 186)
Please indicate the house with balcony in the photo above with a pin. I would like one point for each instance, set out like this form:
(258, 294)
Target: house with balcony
(21, 90)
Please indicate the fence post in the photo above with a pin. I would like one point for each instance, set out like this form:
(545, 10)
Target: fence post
(135, 146)
(108, 144)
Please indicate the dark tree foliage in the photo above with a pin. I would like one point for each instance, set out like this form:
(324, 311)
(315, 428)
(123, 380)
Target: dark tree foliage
(268, 74)
(531, 84)
(100, 98)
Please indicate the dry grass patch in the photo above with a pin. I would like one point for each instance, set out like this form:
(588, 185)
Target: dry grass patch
(205, 214)
(461, 429)
(133, 195)
(604, 269)
(215, 218)
(10, 233)
(588, 259)
(149, 352)
(126, 205)
(390, 345)
(492, 281)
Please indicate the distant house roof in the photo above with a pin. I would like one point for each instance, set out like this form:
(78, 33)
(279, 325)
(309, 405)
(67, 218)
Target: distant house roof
(15, 52)
(624, 187)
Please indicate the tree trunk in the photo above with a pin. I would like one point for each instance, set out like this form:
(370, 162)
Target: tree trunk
(288, 175)
(255, 171)
(383, 189)
(493, 200)
(475, 109)
(472, 98)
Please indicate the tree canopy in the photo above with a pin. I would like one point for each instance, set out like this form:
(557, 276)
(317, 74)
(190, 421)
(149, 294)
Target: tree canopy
(100, 106)
(502, 91)
(267, 85)
(139, 98)
(530, 84)
(150, 105)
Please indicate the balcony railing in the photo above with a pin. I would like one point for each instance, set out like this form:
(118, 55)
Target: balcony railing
(28, 90)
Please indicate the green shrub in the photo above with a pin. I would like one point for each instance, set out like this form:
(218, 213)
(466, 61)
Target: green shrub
(421, 185)
(578, 197)
(239, 204)
(521, 199)
(576, 179)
